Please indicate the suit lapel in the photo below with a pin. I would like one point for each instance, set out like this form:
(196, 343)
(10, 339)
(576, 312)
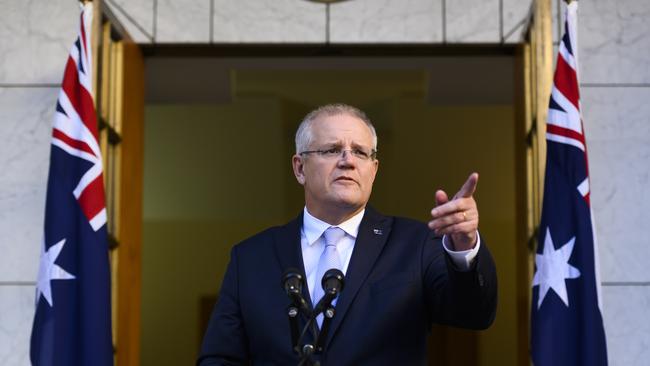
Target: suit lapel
(373, 233)
(289, 253)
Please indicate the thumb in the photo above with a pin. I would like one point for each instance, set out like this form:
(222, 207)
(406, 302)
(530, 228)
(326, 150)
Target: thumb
(467, 190)
(441, 197)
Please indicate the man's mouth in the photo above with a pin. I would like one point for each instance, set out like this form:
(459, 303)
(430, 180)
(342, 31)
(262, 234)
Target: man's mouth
(345, 179)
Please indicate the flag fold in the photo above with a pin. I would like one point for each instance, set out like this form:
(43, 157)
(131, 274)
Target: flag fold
(566, 316)
(72, 323)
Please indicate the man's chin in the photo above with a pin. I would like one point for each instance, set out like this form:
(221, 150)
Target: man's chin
(350, 202)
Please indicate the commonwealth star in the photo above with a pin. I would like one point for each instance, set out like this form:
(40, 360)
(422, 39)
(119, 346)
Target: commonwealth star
(553, 269)
(49, 271)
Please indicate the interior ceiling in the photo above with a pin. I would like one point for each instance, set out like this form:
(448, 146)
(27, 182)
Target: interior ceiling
(441, 80)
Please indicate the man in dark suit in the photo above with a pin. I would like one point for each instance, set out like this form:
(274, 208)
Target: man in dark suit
(400, 275)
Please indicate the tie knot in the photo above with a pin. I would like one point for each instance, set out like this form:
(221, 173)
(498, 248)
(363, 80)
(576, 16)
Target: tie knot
(333, 235)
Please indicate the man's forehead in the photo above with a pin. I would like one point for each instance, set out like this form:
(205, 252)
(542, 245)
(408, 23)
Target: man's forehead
(341, 124)
(341, 133)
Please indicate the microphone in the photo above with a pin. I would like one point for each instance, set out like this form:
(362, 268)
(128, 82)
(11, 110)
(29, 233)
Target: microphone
(292, 283)
(332, 283)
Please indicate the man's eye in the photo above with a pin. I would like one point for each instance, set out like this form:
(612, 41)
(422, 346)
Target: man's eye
(332, 151)
(360, 153)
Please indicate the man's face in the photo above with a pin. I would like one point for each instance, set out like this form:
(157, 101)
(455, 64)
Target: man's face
(337, 184)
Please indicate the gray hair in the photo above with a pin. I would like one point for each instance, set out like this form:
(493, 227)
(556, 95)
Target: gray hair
(304, 133)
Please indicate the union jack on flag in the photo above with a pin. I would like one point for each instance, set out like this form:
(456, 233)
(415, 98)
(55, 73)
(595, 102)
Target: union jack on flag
(566, 318)
(72, 323)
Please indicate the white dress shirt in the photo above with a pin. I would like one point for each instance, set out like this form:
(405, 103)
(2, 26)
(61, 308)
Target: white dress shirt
(312, 244)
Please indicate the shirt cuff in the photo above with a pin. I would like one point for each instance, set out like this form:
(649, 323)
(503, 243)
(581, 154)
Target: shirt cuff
(463, 259)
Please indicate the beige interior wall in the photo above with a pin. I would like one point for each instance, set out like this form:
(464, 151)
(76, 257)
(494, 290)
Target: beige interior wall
(213, 175)
(217, 174)
(427, 148)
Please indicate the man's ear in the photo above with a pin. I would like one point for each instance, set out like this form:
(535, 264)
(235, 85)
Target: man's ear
(298, 165)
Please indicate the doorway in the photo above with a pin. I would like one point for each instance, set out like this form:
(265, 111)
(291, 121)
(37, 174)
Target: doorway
(219, 128)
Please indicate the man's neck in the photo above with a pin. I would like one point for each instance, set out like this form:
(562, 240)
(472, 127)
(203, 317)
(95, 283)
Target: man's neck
(333, 216)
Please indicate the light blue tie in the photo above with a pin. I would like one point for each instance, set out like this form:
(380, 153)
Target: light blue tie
(328, 259)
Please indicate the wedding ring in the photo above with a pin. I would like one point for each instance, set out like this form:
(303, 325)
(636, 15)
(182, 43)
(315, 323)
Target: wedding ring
(464, 216)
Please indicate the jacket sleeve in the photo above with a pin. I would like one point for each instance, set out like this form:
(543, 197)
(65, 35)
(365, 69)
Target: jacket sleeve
(225, 341)
(462, 299)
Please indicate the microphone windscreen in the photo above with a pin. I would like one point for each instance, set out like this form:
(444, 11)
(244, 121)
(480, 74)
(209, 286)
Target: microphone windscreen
(333, 280)
(292, 281)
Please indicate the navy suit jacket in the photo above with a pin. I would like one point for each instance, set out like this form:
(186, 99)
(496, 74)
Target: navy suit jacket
(399, 281)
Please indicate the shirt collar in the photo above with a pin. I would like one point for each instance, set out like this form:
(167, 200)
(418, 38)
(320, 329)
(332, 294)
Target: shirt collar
(314, 228)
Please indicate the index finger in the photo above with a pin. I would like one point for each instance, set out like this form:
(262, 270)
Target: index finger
(468, 189)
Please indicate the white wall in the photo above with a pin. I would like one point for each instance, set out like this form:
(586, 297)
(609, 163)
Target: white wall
(615, 76)
(34, 41)
(301, 21)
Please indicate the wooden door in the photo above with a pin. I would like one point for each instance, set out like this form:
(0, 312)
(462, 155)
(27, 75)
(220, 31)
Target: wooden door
(119, 97)
(533, 75)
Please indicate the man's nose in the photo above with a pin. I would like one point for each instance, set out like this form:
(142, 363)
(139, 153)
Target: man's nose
(346, 158)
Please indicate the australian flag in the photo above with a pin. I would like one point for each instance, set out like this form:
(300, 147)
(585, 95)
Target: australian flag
(567, 324)
(72, 323)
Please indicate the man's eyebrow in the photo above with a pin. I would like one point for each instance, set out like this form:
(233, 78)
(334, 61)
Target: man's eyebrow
(359, 146)
(339, 144)
(332, 144)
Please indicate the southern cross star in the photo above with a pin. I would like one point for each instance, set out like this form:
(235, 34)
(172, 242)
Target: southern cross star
(553, 269)
(48, 271)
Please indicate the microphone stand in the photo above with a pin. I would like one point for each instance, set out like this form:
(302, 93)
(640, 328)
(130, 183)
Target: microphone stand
(328, 314)
(324, 307)
(292, 282)
(292, 313)
(332, 284)
(307, 350)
